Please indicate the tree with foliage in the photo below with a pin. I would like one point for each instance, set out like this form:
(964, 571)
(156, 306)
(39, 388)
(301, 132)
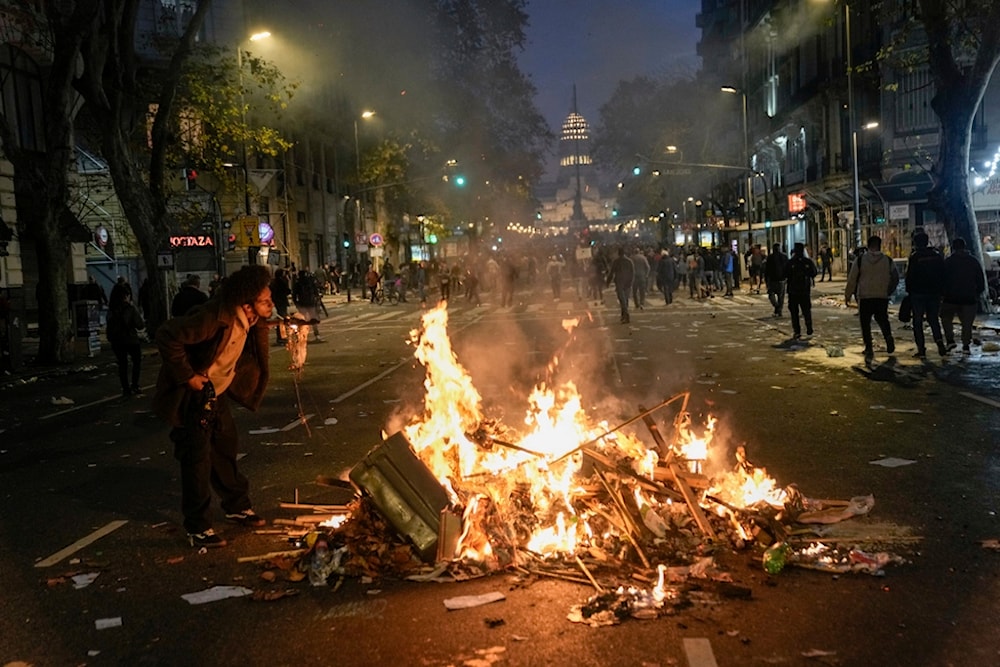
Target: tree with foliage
(42, 174)
(152, 117)
(963, 47)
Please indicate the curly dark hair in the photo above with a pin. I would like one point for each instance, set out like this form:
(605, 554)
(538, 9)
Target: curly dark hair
(243, 286)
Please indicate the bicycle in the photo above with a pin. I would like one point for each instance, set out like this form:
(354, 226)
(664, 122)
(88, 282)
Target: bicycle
(390, 294)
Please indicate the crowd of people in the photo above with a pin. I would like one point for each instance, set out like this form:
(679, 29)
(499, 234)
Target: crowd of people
(214, 349)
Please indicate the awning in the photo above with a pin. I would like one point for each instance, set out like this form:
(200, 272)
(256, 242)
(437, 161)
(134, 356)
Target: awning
(908, 187)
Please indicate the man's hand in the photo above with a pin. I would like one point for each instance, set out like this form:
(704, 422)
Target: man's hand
(197, 382)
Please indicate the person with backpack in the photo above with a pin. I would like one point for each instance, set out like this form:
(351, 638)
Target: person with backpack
(799, 274)
(872, 279)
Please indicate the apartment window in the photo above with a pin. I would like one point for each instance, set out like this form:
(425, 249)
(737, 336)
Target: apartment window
(913, 101)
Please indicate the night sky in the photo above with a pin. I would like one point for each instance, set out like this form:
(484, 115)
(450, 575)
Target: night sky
(596, 43)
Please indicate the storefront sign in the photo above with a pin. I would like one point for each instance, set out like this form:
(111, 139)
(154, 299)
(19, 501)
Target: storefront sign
(796, 202)
(191, 241)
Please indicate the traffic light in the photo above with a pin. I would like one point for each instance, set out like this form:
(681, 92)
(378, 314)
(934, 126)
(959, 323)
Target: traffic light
(636, 170)
(231, 242)
(190, 179)
(460, 180)
(347, 241)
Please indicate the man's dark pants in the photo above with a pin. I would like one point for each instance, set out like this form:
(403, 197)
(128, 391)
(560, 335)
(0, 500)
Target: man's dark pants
(796, 302)
(207, 455)
(879, 310)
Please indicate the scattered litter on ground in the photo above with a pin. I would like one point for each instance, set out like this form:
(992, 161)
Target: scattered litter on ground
(470, 601)
(62, 400)
(892, 462)
(84, 580)
(216, 593)
(105, 623)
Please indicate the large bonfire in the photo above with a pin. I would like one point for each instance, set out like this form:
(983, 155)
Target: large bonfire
(559, 488)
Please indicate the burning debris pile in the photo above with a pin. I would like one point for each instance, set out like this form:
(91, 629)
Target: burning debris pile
(568, 499)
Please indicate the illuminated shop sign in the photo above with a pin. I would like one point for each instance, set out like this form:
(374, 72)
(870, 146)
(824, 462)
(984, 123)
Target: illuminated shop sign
(191, 241)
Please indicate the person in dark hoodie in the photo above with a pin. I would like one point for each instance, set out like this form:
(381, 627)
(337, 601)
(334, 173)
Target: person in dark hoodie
(189, 296)
(872, 278)
(924, 282)
(799, 274)
(964, 281)
(216, 353)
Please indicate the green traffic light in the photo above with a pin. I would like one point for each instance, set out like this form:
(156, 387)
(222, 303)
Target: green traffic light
(636, 170)
(460, 181)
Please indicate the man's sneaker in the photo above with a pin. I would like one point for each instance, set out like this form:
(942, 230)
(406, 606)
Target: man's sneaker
(966, 350)
(869, 354)
(247, 518)
(890, 345)
(920, 354)
(207, 539)
(952, 345)
(942, 350)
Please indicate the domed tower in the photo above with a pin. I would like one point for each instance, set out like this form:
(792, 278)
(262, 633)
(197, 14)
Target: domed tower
(577, 178)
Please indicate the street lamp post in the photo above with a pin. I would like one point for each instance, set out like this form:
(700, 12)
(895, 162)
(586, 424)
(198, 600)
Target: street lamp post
(244, 159)
(732, 90)
(366, 114)
(852, 121)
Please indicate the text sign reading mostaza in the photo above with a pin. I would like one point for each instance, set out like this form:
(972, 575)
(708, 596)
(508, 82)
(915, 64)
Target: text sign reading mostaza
(191, 241)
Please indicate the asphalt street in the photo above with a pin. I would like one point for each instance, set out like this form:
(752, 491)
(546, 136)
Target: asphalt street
(90, 488)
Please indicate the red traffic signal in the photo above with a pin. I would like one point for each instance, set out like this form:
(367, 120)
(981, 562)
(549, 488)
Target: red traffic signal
(190, 178)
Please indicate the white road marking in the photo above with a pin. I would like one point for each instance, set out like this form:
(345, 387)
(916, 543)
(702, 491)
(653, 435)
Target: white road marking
(981, 399)
(81, 543)
(699, 652)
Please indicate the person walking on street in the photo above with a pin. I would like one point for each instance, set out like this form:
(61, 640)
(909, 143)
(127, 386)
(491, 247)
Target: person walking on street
(280, 291)
(371, 282)
(964, 282)
(756, 268)
(696, 272)
(554, 270)
(421, 279)
(873, 277)
(215, 354)
(666, 276)
(774, 277)
(640, 280)
(622, 273)
(305, 293)
(189, 296)
(924, 282)
(826, 263)
(727, 265)
(508, 276)
(124, 323)
(799, 274)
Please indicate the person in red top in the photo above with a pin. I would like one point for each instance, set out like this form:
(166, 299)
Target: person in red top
(371, 281)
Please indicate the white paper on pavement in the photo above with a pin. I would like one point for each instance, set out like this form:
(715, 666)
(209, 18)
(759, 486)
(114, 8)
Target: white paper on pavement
(216, 593)
(891, 462)
(470, 601)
